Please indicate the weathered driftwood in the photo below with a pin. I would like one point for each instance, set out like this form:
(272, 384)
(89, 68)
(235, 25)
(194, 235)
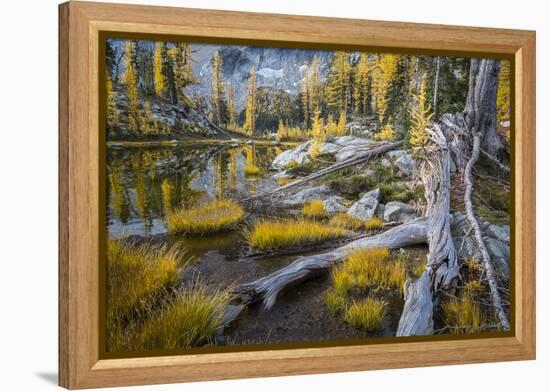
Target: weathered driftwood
(417, 317)
(442, 266)
(486, 259)
(352, 161)
(267, 288)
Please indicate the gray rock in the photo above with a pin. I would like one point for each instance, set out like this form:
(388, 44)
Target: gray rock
(298, 155)
(385, 162)
(380, 211)
(496, 237)
(398, 212)
(405, 164)
(250, 142)
(366, 207)
(329, 148)
(345, 141)
(346, 153)
(396, 154)
(309, 194)
(334, 205)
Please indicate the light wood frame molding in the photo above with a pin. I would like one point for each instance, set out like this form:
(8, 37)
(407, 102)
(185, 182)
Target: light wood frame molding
(79, 26)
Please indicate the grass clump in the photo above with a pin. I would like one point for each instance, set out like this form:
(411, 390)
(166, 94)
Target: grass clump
(273, 234)
(137, 276)
(335, 301)
(136, 273)
(252, 170)
(374, 224)
(215, 217)
(314, 209)
(372, 267)
(343, 220)
(367, 314)
(462, 314)
(190, 319)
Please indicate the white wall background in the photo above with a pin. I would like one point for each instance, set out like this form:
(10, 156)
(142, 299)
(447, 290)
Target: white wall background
(28, 193)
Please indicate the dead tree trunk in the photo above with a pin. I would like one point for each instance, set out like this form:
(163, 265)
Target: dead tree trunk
(442, 265)
(480, 112)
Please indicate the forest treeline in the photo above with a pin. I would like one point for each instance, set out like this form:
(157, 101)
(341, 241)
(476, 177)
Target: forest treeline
(397, 95)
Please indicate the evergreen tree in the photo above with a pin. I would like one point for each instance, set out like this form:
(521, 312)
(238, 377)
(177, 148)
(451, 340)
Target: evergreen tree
(217, 95)
(250, 109)
(305, 97)
(362, 85)
(338, 90)
(183, 71)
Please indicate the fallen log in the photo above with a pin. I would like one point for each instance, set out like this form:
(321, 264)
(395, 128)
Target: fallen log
(267, 288)
(352, 161)
(486, 259)
(417, 316)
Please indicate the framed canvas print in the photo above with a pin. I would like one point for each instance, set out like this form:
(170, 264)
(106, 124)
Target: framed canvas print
(247, 195)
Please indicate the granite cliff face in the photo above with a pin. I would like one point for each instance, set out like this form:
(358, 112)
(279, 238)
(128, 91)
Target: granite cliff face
(277, 68)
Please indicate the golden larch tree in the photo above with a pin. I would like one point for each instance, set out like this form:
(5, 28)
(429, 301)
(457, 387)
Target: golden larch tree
(503, 92)
(338, 88)
(250, 109)
(382, 76)
(112, 111)
(421, 117)
(131, 87)
(158, 63)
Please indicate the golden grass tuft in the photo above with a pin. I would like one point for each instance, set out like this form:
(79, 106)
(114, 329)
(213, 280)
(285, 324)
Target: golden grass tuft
(136, 273)
(314, 209)
(335, 301)
(273, 234)
(342, 280)
(343, 220)
(372, 267)
(374, 224)
(215, 217)
(190, 319)
(368, 314)
(462, 314)
(136, 277)
(251, 170)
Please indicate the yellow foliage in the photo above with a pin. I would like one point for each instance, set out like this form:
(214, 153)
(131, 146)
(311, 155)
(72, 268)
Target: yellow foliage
(112, 111)
(273, 234)
(421, 118)
(160, 81)
(368, 314)
(131, 88)
(342, 280)
(341, 128)
(382, 76)
(503, 93)
(371, 267)
(217, 216)
(250, 109)
(251, 170)
(287, 133)
(315, 209)
(386, 133)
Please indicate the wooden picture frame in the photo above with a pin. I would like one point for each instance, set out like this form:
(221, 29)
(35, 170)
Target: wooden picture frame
(80, 25)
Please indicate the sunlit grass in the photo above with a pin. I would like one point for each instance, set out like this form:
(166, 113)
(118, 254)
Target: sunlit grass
(273, 234)
(190, 319)
(463, 314)
(342, 280)
(375, 268)
(215, 217)
(285, 181)
(136, 277)
(343, 220)
(314, 209)
(374, 224)
(335, 301)
(367, 314)
(251, 170)
(136, 273)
